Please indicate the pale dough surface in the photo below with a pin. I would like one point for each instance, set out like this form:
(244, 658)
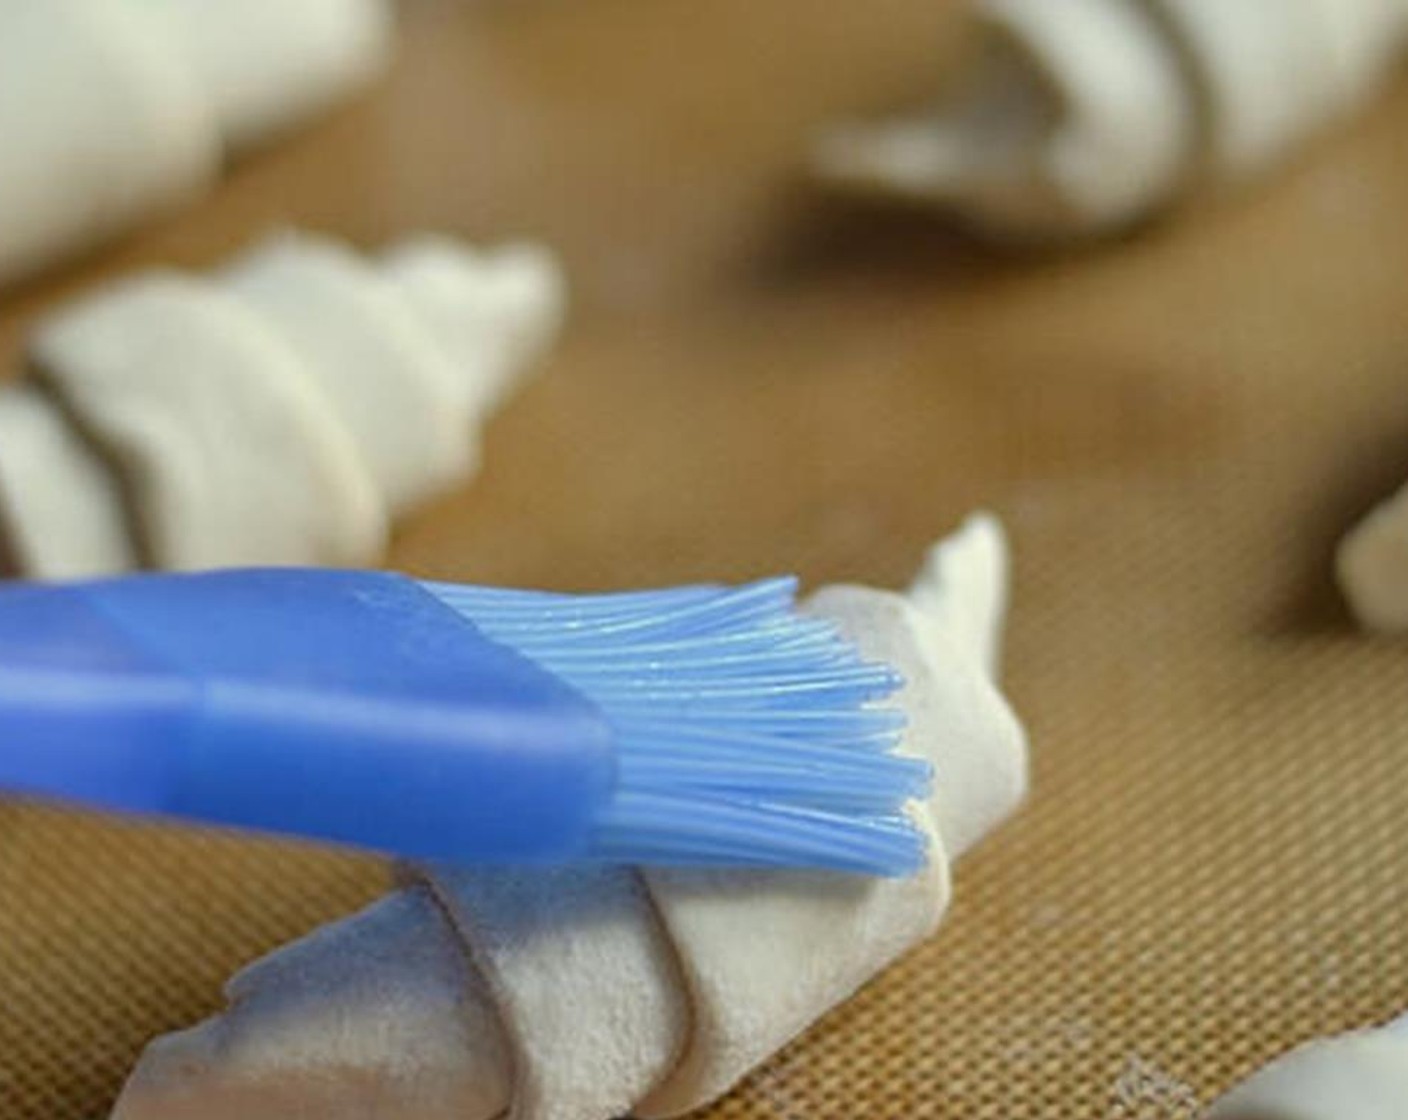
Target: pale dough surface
(61, 510)
(375, 1016)
(585, 979)
(113, 111)
(962, 590)
(960, 600)
(1264, 73)
(494, 311)
(229, 455)
(266, 65)
(99, 125)
(381, 370)
(281, 412)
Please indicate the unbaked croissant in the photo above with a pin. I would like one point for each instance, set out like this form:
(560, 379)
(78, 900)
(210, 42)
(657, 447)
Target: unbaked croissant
(113, 111)
(584, 994)
(279, 412)
(1358, 1076)
(1084, 116)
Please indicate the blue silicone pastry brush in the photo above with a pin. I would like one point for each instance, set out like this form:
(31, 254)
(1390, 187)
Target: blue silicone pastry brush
(699, 725)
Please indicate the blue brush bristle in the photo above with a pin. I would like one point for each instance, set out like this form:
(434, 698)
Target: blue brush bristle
(746, 733)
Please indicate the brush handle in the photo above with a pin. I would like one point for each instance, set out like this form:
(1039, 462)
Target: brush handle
(344, 706)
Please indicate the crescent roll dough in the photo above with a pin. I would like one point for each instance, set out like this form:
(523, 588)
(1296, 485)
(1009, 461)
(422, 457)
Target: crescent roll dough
(1085, 116)
(100, 126)
(582, 994)
(62, 500)
(278, 414)
(494, 311)
(586, 983)
(372, 355)
(1360, 1076)
(231, 456)
(266, 65)
(375, 1013)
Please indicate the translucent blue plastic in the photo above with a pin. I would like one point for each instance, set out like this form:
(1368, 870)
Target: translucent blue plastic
(339, 706)
(700, 725)
(746, 733)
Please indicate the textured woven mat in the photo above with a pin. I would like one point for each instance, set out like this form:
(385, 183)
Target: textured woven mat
(1213, 866)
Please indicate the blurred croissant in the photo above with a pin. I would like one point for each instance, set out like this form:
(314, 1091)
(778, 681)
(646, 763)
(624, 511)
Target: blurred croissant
(115, 111)
(1082, 117)
(281, 411)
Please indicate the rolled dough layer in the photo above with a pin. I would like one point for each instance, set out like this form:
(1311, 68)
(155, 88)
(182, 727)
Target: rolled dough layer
(1076, 119)
(277, 415)
(1263, 72)
(367, 348)
(812, 938)
(494, 311)
(599, 1002)
(227, 451)
(114, 111)
(375, 1016)
(99, 125)
(61, 511)
(586, 982)
(962, 590)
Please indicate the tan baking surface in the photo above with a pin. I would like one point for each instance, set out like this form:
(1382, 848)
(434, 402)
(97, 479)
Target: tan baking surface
(1175, 429)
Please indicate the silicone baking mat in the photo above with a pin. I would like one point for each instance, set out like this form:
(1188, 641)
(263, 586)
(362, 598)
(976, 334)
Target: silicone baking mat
(1175, 427)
